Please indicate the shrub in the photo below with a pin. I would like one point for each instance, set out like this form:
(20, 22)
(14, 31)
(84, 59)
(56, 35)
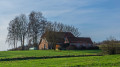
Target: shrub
(88, 48)
(82, 48)
(110, 48)
(94, 48)
(71, 47)
(61, 48)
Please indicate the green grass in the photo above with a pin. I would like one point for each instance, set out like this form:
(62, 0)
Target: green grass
(92, 61)
(41, 53)
(86, 61)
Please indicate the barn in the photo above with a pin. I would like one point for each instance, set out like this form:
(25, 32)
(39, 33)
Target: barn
(63, 38)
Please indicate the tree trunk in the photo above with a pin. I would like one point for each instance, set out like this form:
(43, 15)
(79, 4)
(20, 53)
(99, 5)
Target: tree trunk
(23, 43)
(14, 42)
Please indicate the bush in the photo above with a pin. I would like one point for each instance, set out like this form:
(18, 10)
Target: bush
(110, 48)
(71, 47)
(61, 48)
(94, 48)
(88, 48)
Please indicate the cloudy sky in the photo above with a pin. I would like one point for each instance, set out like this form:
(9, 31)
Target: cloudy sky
(98, 19)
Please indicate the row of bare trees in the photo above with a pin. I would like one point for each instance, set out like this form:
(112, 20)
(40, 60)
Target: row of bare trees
(60, 27)
(30, 28)
(17, 30)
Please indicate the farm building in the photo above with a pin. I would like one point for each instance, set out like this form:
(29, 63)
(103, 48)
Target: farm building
(63, 40)
(79, 41)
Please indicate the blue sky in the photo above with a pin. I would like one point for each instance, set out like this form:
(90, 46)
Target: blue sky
(98, 19)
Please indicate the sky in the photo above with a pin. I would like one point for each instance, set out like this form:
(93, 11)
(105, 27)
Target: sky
(98, 19)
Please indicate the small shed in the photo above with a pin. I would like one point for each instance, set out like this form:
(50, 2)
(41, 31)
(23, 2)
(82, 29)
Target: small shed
(32, 48)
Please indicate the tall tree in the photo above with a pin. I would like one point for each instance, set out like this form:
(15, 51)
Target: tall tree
(35, 26)
(22, 29)
(60, 27)
(12, 37)
(17, 30)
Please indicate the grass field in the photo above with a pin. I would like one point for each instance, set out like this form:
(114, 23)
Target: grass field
(40, 53)
(87, 61)
(92, 61)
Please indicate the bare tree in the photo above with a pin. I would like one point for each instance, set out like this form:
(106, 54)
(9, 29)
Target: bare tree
(36, 26)
(72, 29)
(17, 30)
(59, 27)
(12, 37)
(22, 29)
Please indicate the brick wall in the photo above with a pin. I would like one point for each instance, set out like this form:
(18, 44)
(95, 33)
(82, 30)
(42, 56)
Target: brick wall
(43, 44)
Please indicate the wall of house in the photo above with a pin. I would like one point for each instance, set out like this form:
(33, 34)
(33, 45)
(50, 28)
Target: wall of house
(43, 45)
(66, 40)
(87, 45)
(76, 44)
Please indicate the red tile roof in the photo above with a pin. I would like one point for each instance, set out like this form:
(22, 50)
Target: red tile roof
(60, 36)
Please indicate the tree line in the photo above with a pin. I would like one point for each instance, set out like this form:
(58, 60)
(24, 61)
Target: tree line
(29, 29)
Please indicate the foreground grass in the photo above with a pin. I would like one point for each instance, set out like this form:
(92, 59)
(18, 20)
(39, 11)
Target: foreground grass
(92, 61)
(41, 53)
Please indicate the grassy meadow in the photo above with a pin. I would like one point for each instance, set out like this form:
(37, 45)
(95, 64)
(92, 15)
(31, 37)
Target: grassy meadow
(86, 61)
(41, 53)
(92, 61)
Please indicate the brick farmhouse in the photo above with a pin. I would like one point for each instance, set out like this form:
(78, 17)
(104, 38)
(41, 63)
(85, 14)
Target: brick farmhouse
(63, 39)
